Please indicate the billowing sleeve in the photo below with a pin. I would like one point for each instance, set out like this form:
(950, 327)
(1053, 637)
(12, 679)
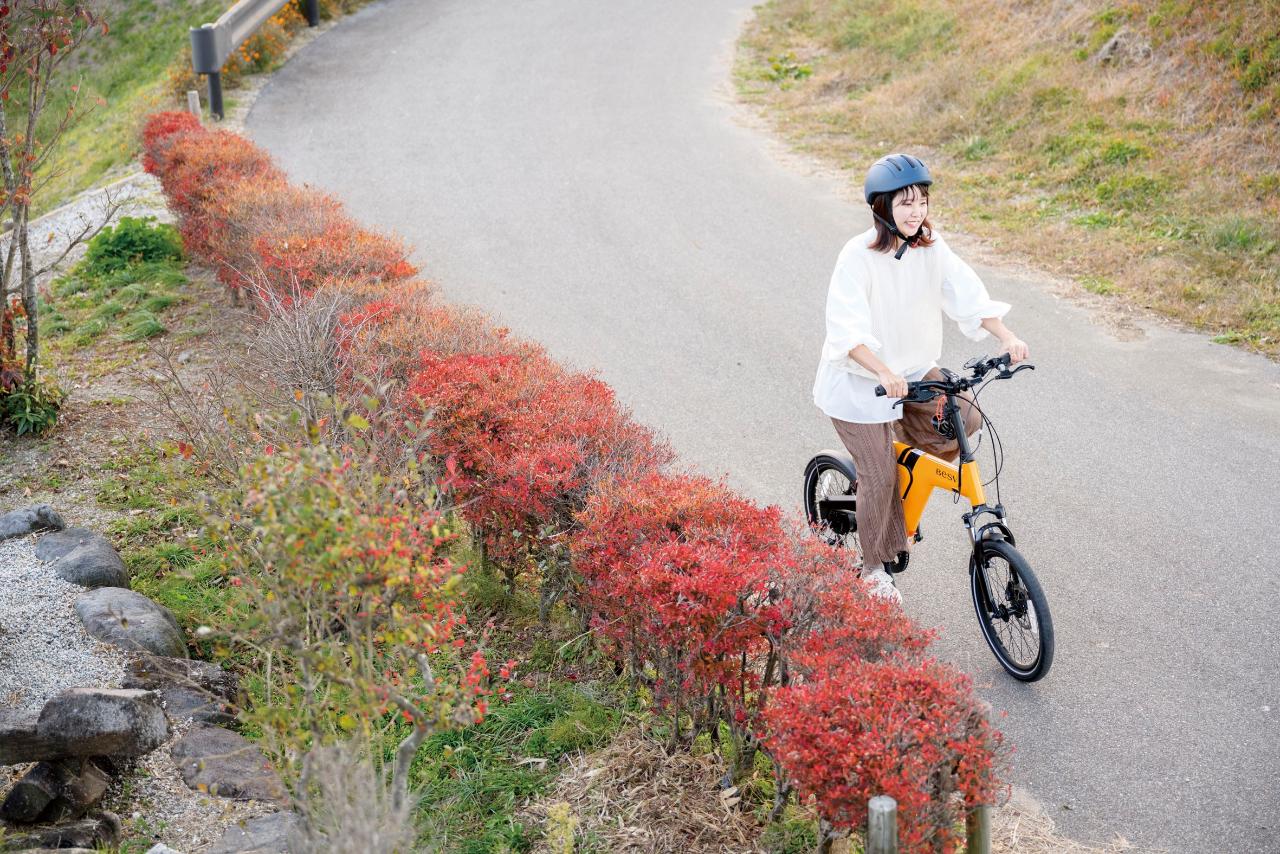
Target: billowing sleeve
(965, 298)
(848, 313)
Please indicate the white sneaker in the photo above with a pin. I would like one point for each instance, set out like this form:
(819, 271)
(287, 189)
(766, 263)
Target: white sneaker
(881, 584)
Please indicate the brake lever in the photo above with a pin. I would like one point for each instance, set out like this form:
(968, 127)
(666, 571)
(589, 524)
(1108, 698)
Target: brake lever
(1005, 373)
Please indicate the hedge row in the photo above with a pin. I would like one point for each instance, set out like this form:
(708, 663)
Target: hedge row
(739, 621)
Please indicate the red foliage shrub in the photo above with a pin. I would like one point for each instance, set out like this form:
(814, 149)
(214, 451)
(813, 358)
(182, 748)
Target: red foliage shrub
(158, 133)
(675, 570)
(283, 238)
(199, 170)
(823, 605)
(386, 332)
(529, 440)
(907, 728)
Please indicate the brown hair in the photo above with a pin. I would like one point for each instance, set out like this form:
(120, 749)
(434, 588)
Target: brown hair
(882, 205)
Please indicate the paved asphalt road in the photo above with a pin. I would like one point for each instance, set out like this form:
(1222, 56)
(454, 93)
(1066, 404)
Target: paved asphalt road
(574, 167)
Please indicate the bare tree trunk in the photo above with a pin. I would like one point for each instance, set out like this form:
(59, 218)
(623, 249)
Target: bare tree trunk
(29, 297)
(8, 335)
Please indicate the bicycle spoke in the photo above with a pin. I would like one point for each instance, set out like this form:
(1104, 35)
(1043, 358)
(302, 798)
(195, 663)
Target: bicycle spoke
(1018, 629)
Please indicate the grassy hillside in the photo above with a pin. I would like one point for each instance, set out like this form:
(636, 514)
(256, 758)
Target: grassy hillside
(127, 68)
(1132, 145)
(143, 64)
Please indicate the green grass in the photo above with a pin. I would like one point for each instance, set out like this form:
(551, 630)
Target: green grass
(127, 303)
(474, 781)
(1099, 285)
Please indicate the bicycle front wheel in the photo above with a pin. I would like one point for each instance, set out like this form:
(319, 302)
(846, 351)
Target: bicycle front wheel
(1012, 611)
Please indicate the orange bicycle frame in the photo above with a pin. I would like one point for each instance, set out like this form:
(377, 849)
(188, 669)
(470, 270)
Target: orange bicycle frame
(919, 474)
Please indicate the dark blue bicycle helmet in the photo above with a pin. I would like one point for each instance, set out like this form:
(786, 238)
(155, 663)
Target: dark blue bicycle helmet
(893, 172)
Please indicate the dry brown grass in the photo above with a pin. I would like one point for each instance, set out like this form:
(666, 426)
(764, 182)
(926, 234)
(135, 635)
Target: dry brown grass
(1154, 175)
(633, 796)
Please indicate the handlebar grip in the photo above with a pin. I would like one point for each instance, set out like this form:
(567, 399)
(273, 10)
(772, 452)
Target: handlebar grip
(880, 392)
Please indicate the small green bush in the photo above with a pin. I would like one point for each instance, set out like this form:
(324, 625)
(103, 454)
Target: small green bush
(32, 406)
(133, 240)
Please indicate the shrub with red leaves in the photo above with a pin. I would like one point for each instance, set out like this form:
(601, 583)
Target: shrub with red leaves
(530, 442)
(158, 134)
(286, 239)
(198, 171)
(675, 568)
(903, 727)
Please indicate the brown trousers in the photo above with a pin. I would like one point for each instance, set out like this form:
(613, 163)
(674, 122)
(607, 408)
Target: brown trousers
(881, 527)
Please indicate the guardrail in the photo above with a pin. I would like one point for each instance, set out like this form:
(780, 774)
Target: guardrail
(211, 44)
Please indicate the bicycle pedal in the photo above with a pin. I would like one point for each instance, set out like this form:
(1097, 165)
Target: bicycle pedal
(900, 565)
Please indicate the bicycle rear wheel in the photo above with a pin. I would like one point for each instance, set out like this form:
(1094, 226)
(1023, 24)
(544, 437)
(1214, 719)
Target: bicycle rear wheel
(830, 501)
(1012, 611)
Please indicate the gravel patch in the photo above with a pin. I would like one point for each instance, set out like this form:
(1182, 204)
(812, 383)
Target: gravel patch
(153, 801)
(44, 648)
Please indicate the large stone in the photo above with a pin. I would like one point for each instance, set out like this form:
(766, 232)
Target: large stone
(56, 791)
(28, 520)
(93, 562)
(85, 782)
(153, 671)
(50, 547)
(161, 848)
(226, 764)
(102, 830)
(130, 620)
(268, 834)
(102, 722)
(19, 741)
(32, 794)
(200, 690)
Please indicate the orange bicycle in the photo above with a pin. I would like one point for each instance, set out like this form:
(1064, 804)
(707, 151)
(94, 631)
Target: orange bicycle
(1011, 606)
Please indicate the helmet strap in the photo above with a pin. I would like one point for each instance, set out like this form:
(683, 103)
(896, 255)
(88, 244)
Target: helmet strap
(893, 229)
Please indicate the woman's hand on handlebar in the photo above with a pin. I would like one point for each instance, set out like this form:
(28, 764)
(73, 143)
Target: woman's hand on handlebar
(894, 385)
(1016, 348)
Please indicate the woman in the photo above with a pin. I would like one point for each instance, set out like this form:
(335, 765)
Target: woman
(884, 327)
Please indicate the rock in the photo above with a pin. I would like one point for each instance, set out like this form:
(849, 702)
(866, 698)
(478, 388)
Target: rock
(130, 620)
(102, 830)
(28, 520)
(200, 690)
(1123, 48)
(18, 739)
(84, 784)
(226, 764)
(268, 834)
(50, 547)
(183, 703)
(33, 793)
(93, 562)
(161, 848)
(154, 671)
(56, 791)
(101, 722)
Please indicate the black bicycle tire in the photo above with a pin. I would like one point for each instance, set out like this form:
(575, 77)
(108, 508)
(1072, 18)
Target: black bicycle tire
(813, 471)
(1035, 599)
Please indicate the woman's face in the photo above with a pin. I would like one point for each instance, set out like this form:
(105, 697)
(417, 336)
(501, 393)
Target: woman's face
(910, 207)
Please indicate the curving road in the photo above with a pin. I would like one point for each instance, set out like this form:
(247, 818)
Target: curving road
(573, 167)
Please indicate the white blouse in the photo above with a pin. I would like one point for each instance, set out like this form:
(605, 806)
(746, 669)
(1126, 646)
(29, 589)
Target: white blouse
(894, 307)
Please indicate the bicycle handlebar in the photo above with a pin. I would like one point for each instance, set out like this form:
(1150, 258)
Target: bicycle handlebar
(954, 384)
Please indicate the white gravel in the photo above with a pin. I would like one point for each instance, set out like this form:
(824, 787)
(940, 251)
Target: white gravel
(44, 648)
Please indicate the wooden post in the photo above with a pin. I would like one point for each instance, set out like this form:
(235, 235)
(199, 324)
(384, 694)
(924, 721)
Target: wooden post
(882, 825)
(978, 826)
(193, 102)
